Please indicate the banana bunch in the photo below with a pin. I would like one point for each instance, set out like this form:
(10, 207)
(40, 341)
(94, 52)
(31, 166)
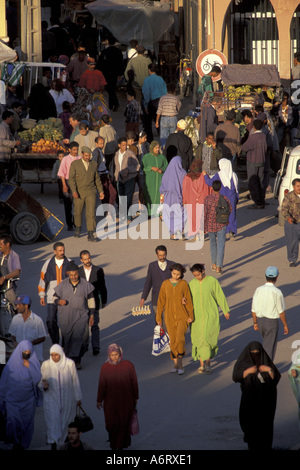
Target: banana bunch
(233, 93)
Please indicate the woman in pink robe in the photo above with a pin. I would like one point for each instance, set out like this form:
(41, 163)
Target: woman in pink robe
(194, 191)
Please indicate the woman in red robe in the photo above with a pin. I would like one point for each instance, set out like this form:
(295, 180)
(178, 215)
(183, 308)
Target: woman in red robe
(118, 394)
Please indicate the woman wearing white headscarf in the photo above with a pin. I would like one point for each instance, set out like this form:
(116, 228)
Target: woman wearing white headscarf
(62, 393)
(229, 189)
(294, 379)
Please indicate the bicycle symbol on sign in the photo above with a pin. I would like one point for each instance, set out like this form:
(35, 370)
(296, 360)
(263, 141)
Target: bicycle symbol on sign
(207, 66)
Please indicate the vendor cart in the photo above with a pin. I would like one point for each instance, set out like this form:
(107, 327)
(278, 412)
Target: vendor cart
(25, 218)
(33, 168)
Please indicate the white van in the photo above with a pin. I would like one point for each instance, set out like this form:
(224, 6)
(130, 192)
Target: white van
(290, 169)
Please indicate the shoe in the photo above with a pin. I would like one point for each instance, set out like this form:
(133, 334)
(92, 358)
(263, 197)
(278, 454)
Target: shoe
(180, 371)
(292, 264)
(96, 351)
(174, 371)
(201, 369)
(207, 369)
(91, 237)
(219, 271)
(213, 268)
(77, 232)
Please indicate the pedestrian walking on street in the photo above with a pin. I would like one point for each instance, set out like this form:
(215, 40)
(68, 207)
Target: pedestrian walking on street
(178, 315)
(84, 182)
(118, 393)
(294, 379)
(19, 395)
(216, 229)
(207, 297)
(154, 164)
(61, 393)
(267, 307)
(76, 304)
(290, 211)
(258, 377)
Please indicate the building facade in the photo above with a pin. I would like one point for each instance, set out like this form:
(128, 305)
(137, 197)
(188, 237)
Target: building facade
(246, 31)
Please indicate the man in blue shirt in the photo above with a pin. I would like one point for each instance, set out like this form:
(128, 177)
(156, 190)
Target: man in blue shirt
(154, 87)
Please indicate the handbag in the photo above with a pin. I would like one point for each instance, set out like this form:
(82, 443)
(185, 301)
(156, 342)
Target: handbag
(83, 421)
(161, 341)
(134, 426)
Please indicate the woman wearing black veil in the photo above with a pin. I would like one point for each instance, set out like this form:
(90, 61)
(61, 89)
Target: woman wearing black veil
(258, 377)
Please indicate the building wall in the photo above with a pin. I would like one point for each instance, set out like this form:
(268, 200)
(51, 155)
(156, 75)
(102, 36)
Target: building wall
(212, 24)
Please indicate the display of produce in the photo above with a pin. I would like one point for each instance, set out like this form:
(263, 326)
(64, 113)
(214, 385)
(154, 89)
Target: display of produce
(50, 129)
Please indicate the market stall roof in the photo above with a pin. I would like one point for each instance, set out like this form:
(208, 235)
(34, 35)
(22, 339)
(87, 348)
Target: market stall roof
(6, 53)
(127, 20)
(248, 74)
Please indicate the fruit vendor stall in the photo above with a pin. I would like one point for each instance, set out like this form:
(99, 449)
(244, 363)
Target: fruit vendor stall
(40, 142)
(245, 86)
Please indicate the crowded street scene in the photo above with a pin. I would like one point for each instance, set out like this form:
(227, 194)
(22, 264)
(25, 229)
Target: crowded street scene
(149, 241)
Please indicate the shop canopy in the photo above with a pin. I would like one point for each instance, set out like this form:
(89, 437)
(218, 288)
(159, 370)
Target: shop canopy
(126, 20)
(248, 74)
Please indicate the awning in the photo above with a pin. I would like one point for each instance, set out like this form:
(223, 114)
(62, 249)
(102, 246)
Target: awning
(248, 74)
(6, 53)
(128, 20)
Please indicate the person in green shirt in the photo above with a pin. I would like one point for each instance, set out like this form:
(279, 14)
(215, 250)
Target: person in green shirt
(154, 165)
(206, 83)
(207, 296)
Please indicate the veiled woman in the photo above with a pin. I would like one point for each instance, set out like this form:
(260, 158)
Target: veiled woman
(117, 394)
(173, 214)
(258, 377)
(62, 392)
(154, 165)
(19, 394)
(194, 191)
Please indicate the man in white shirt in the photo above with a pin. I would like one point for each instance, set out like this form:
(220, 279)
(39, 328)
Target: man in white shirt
(267, 307)
(26, 325)
(63, 174)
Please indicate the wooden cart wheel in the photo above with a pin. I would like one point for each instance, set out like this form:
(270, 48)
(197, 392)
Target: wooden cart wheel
(25, 228)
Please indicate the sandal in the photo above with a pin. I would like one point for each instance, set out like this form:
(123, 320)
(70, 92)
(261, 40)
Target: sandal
(219, 271)
(201, 369)
(213, 269)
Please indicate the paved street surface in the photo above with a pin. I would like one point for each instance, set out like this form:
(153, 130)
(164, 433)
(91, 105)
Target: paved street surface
(193, 411)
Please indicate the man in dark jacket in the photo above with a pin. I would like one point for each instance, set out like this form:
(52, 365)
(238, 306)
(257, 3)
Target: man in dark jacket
(256, 149)
(94, 275)
(179, 144)
(110, 63)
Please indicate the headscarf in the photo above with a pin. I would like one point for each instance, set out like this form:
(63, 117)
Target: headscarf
(114, 348)
(153, 144)
(83, 101)
(295, 381)
(195, 169)
(226, 174)
(60, 365)
(15, 363)
(246, 360)
(173, 178)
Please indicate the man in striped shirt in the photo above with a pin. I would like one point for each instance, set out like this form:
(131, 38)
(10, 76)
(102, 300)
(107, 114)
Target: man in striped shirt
(167, 112)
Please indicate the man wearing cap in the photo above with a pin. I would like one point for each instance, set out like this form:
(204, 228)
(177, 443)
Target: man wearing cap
(92, 79)
(84, 181)
(76, 304)
(26, 325)
(180, 144)
(228, 137)
(138, 65)
(267, 307)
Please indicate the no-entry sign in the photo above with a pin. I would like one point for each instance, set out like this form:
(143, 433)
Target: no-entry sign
(206, 61)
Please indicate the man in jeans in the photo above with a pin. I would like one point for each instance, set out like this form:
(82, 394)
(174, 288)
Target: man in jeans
(167, 112)
(215, 230)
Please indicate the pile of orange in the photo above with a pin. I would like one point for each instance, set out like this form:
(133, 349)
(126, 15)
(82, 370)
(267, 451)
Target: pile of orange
(46, 146)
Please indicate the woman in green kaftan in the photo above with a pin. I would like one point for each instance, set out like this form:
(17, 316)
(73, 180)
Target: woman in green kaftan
(207, 296)
(154, 165)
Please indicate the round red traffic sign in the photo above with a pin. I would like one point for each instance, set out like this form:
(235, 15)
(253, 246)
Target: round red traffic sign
(206, 61)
